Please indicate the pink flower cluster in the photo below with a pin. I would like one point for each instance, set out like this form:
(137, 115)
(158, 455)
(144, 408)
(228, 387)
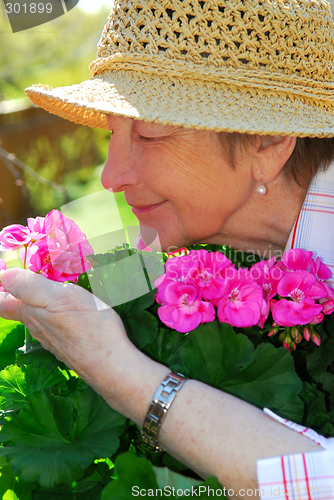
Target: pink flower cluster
(53, 246)
(294, 290)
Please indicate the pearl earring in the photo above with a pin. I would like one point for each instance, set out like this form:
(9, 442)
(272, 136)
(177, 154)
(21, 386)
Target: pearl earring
(262, 188)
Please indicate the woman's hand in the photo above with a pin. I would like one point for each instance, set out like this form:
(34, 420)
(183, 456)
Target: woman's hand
(66, 320)
(84, 333)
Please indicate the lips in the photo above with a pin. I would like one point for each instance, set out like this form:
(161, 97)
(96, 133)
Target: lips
(141, 209)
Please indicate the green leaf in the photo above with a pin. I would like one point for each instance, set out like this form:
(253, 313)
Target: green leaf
(137, 473)
(35, 355)
(269, 379)
(318, 370)
(11, 338)
(88, 488)
(7, 478)
(141, 327)
(316, 415)
(212, 352)
(43, 443)
(83, 281)
(18, 382)
(131, 471)
(166, 347)
(119, 282)
(10, 487)
(327, 350)
(216, 355)
(97, 426)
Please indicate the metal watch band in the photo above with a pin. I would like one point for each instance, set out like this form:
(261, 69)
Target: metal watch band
(158, 408)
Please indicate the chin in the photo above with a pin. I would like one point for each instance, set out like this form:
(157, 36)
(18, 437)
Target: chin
(161, 239)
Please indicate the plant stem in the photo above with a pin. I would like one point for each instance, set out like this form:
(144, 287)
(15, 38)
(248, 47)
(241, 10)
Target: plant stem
(25, 256)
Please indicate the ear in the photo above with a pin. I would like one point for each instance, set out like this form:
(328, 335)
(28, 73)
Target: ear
(270, 155)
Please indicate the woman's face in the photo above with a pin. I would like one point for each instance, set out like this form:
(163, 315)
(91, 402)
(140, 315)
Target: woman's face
(177, 180)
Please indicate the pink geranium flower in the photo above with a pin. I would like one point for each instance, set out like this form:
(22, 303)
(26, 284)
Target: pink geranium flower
(320, 270)
(177, 269)
(328, 301)
(267, 276)
(37, 228)
(296, 259)
(13, 237)
(208, 276)
(184, 309)
(61, 254)
(140, 245)
(302, 289)
(242, 299)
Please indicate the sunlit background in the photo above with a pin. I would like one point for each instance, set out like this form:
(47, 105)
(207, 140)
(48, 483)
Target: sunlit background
(93, 5)
(69, 156)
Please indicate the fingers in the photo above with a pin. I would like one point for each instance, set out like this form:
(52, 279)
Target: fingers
(10, 307)
(29, 287)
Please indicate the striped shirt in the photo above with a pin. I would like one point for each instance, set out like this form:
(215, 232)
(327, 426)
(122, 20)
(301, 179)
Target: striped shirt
(303, 476)
(306, 476)
(314, 227)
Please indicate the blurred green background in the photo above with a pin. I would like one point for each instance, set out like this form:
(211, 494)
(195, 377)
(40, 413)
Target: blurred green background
(57, 53)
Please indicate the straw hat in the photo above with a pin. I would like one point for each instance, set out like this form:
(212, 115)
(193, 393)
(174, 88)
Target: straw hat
(255, 66)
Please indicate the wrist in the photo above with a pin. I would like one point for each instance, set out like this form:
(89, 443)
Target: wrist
(125, 377)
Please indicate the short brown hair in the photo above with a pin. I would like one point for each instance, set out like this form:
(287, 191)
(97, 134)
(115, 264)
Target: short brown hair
(310, 156)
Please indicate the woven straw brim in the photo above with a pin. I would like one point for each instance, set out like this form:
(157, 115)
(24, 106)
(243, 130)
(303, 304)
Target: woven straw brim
(187, 103)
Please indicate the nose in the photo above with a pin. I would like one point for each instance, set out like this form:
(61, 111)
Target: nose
(117, 173)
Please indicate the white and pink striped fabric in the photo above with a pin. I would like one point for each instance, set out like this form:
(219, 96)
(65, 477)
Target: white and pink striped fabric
(303, 476)
(314, 227)
(306, 476)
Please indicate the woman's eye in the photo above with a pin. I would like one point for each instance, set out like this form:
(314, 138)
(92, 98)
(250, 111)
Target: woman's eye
(147, 139)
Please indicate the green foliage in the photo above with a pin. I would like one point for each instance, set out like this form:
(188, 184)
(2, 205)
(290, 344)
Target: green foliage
(11, 338)
(216, 355)
(60, 439)
(67, 159)
(16, 383)
(137, 473)
(54, 438)
(57, 53)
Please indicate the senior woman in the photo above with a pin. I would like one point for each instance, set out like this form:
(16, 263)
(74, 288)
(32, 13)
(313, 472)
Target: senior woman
(221, 115)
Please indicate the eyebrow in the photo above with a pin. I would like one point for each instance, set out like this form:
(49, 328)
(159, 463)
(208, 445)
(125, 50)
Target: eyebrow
(150, 127)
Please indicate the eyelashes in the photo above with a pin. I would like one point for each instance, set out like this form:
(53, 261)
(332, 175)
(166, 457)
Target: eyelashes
(148, 139)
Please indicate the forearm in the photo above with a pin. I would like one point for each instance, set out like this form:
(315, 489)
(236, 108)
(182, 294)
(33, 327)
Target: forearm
(210, 431)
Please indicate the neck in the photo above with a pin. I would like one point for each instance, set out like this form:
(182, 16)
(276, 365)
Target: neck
(264, 223)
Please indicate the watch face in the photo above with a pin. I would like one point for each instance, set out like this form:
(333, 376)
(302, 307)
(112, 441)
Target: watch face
(26, 14)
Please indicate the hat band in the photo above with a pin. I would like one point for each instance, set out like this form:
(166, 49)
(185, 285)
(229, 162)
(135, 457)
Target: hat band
(278, 84)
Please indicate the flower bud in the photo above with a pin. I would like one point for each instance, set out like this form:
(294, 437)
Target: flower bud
(273, 331)
(282, 337)
(289, 344)
(317, 319)
(307, 333)
(316, 337)
(296, 335)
